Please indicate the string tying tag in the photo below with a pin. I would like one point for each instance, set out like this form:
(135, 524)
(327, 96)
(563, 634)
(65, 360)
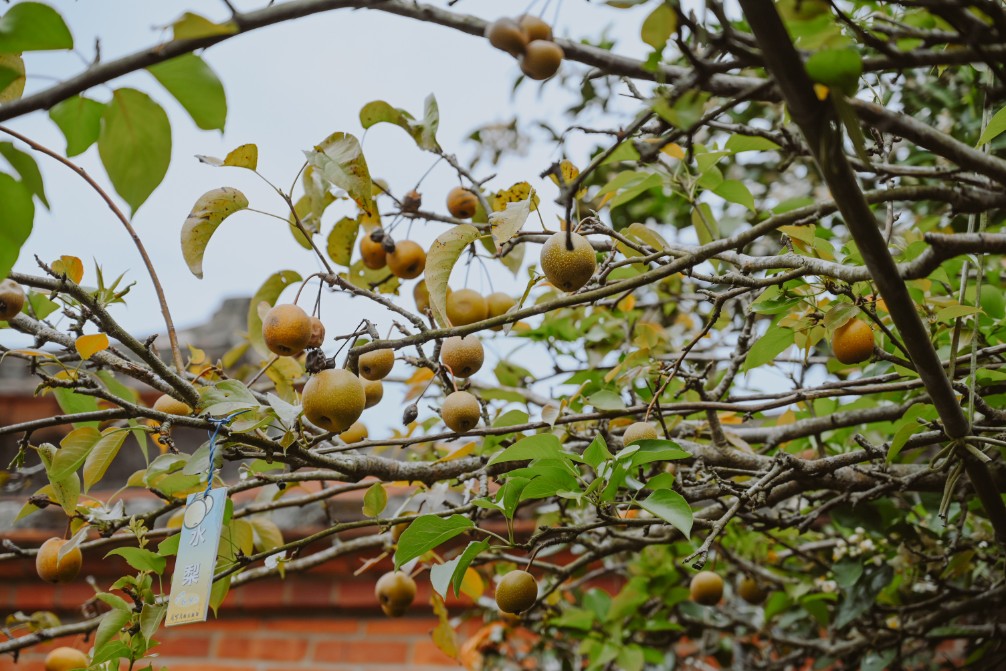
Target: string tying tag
(218, 423)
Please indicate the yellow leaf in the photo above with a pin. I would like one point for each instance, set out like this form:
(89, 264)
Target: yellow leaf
(569, 173)
(673, 150)
(627, 303)
(245, 156)
(417, 383)
(821, 91)
(516, 193)
(472, 584)
(443, 636)
(196, 356)
(70, 266)
(89, 345)
(462, 451)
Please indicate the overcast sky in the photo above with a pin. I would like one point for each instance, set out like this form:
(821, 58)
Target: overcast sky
(288, 87)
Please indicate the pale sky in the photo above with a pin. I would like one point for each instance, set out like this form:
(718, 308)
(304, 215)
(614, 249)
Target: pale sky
(288, 87)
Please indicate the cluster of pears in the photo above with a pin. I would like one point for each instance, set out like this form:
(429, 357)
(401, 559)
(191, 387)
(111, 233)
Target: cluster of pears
(706, 588)
(333, 399)
(405, 259)
(11, 299)
(528, 39)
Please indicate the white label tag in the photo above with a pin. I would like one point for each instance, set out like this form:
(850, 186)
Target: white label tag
(197, 557)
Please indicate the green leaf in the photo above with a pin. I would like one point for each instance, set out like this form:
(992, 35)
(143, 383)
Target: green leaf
(606, 400)
(768, 347)
(650, 450)
(426, 533)
(134, 144)
(79, 119)
(206, 216)
(440, 260)
(997, 124)
(151, 616)
(836, 68)
(659, 26)
(452, 573)
(705, 224)
(375, 500)
(112, 600)
(742, 143)
(66, 492)
(169, 546)
(141, 559)
(540, 446)
(196, 87)
(219, 592)
(735, 191)
(32, 26)
(73, 450)
(342, 240)
(424, 134)
(102, 455)
(111, 624)
(671, 507)
(269, 293)
(17, 215)
(339, 159)
(597, 452)
(27, 168)
(71, 403)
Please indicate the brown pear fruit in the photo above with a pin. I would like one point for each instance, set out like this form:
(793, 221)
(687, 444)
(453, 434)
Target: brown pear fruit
(408, 260)
(286, 330)
(463, 356)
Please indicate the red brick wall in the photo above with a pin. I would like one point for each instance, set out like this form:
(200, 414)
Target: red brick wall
(283, 643)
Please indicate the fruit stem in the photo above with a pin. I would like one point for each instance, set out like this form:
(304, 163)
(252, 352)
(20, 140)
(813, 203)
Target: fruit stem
(176, 353)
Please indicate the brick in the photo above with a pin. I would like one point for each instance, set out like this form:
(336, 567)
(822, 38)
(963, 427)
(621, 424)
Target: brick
(266, 648)
(361, 652)
(216, 666)
(310, 594)
(356, 594)
(71, 596)
(261, 594)
(228, 624)
(37, 596)
(316, 625)
(399, 625)
(427, 652)
(180, 645)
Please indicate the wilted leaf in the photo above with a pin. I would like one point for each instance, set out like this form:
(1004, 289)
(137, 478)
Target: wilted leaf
(375, 500)
(440, 260)
(11, 77)
(193, 26)
(339, 159)
(341, 241)
(207, 214)
(507, 223)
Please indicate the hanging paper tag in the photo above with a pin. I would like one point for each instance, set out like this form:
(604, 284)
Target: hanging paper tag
(197, 557)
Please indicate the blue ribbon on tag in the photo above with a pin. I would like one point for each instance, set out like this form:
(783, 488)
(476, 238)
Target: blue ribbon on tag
(218, 423)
